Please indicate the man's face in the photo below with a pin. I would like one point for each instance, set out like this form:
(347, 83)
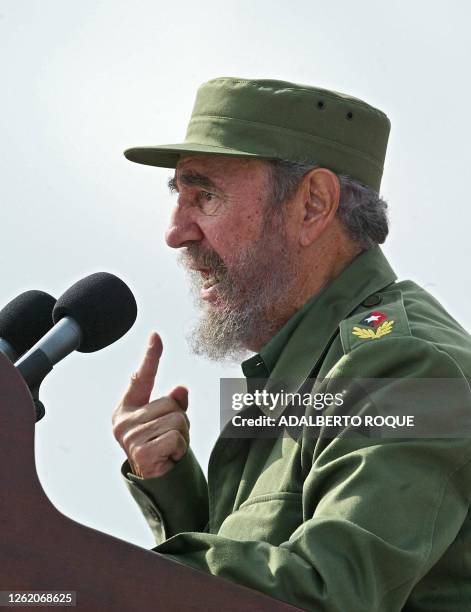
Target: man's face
(236, 248)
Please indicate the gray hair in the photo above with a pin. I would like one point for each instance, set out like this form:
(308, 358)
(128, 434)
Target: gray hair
(361, 210)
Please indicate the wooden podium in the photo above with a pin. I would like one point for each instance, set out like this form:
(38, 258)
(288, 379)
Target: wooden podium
(43, 550)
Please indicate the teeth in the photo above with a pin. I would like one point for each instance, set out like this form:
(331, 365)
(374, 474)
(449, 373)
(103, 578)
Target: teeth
(209, 282)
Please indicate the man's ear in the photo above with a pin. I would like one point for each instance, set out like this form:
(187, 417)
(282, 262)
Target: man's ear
(320, 196)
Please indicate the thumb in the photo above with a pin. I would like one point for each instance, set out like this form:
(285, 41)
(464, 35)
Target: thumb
(142, 381)
(180, 395)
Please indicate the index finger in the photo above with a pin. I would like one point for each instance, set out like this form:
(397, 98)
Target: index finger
(143, 379)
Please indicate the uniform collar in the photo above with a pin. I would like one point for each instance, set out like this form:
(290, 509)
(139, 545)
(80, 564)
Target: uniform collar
(294, 351)
(261, 364)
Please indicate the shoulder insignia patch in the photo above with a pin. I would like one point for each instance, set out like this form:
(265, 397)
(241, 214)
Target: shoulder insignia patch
(367, 325)
(378, 325)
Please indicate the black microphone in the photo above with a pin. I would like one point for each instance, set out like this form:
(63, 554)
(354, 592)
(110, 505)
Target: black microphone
(23, 321)
(93, 313)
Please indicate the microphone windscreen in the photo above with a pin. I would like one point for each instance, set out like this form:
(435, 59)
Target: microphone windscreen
(26, 319)
(103, 306)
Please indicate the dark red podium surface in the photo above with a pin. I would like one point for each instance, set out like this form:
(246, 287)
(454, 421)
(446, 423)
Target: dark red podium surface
(41, 549)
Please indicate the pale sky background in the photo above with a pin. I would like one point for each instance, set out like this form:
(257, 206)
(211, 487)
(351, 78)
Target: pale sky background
(82, 80)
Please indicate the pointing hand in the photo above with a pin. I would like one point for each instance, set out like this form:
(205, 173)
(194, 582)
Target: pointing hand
(153, 434)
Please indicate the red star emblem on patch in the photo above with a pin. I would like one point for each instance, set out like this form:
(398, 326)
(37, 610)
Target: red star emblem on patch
(374, 319)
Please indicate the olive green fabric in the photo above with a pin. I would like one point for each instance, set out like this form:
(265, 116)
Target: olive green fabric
(272, 119)
(342, 524)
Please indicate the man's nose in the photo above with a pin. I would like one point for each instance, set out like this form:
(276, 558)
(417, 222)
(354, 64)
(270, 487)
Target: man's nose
(183, 228)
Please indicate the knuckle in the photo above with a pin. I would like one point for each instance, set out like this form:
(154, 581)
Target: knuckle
(140, 455)
(180, 421)
(118, 430)
(122, 426)
(183, 444)
(179, 454)
(120, 420)
(174, 436)
(166, 443)
(178, 441)
(127, 438)
(127, 428)
(139, 415)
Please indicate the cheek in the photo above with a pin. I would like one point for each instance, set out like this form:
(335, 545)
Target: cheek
(234, 233)
(246, 225)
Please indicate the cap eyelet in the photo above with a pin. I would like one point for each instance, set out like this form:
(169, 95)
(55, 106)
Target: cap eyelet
(321, 105)
(349, 115)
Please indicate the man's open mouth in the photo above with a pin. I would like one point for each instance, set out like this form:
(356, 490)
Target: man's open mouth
(210, 280)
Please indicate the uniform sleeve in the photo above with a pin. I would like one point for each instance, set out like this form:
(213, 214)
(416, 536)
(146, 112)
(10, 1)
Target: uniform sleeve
(378, 514)
(174, 502)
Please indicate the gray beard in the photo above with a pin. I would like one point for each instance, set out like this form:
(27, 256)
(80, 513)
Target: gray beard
(249, 297)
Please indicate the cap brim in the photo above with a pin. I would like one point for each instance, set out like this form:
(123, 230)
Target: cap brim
(167, 156)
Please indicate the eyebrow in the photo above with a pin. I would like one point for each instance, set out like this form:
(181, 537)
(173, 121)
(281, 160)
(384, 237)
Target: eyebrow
(191, 179)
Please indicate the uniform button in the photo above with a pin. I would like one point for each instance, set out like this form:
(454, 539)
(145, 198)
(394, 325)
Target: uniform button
(372, 300)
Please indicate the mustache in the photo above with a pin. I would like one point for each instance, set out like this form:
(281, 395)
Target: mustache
(196, 256)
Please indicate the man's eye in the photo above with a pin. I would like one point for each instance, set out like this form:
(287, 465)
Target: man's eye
(208, 202)
(207, 196)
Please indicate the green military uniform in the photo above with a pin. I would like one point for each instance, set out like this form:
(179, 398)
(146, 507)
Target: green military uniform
(351, 523)
(343, 524)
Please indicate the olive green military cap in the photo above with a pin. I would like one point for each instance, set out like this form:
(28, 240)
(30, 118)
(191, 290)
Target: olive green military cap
(271, 119)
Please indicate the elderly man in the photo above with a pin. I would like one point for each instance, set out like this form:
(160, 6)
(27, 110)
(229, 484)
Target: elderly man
(279, 219)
